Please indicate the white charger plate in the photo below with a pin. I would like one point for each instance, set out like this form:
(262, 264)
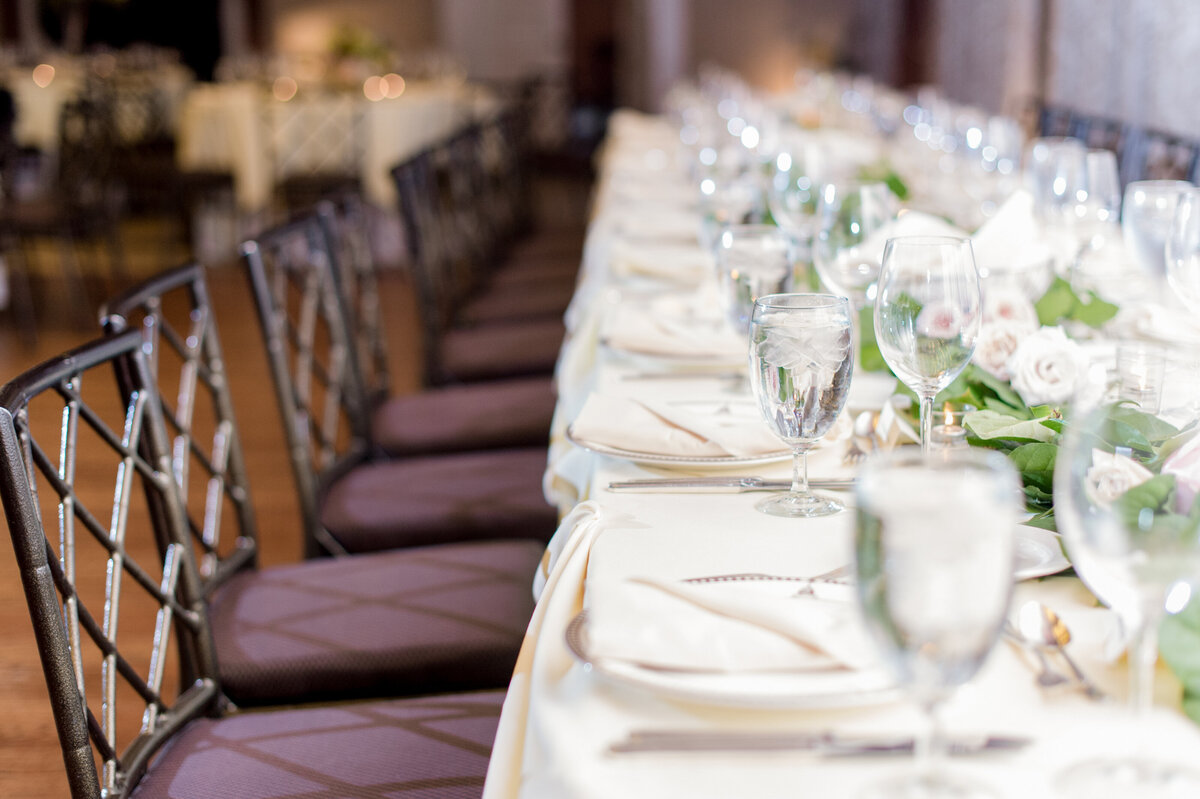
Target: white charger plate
(657, 459)
(1039, 553)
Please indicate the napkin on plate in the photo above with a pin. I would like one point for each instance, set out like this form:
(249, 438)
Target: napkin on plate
(680, 263)
(735, 626)
(1010, 245)
(675, 428)
(673, 330)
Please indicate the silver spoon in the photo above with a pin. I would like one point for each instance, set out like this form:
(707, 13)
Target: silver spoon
(1043, 626)
(1047, 676)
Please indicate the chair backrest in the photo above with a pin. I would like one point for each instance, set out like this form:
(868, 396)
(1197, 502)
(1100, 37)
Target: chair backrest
(347, 229)
(87, 141)
(1154, 155)
(100, 542)
(314, 364)
(179, 331)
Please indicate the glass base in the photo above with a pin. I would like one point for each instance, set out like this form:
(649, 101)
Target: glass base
(1142, 778)
(800, 505)
(927, 786)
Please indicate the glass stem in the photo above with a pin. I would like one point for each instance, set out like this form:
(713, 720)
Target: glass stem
(800, 471)
(928, 745)
(1143, 656)
(926, 422)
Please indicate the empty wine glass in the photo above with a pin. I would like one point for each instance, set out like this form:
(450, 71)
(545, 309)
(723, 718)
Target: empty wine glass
(752, 260)
(1183, 250)
(934, 556)
(1146, 213)
(800, 371)
(728, 200)
(927, 314)
(853, 220)
(1130, 528)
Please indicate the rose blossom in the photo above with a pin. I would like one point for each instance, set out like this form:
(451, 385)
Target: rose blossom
(1184, 463)
(1008, 304)
(937, 320)
(1111, 475)
(997, 342)
(1048, 368)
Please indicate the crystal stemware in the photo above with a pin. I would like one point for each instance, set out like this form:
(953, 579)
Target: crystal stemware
(800, 371)
(1183, 250)
(852, 223)
(934, 558)
(752, 260)
(1131, 526)
(927, 314)
(1146, 213)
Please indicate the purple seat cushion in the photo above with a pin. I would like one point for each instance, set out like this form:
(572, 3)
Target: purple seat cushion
(505, 303)
(468, 416)
(560, 242)
(439, 499)
(428, 747)
(491, 352)
(562, 271)
(412, 621)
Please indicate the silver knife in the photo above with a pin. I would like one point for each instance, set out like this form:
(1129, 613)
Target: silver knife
(732, 485)
(823, 744)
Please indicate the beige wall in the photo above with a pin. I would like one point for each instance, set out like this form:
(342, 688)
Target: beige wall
(306, 26)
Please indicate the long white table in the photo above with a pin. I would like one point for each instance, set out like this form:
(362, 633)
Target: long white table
(562, 715)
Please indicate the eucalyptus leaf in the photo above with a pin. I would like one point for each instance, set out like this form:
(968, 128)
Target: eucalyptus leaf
(1057, 303)
(1095, 312)
(1043, 521)
(1149, 425)
(1139, 506)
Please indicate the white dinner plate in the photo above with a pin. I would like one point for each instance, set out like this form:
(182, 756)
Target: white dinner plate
(657, 459)
(780, 690)
(1039, 553)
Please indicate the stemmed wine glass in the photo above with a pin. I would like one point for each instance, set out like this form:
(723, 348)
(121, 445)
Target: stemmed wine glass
(752, 260)
(853, 219)
(1183, 250)
(800, 371)
(927, 314)
(1133, 537)
(1146, 213)
(934, 557)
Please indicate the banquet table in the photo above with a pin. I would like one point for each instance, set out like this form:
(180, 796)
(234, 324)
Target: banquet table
(566, 709)
(242, 128)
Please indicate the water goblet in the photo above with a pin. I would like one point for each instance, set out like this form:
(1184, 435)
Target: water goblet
(1183, 250)
(800, 371)
(927, 314)
(934, 558)
(1129, 525)
(853, 219)
(1147, 210)
(752, 260)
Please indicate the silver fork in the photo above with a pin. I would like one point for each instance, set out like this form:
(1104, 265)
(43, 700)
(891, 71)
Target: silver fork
(837, 575)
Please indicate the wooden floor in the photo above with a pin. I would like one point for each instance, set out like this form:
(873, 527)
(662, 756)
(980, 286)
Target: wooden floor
(31, 762)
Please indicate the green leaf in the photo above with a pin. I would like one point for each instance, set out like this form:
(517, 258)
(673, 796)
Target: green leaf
(1179, 645)
(1057, 303)
(1139, 506)
(1043, 521)
(870, 358)
(1035, 462)
(1150, 426)
(1002, 390)
(992, 425)
(1095, 312)
(1119, 433)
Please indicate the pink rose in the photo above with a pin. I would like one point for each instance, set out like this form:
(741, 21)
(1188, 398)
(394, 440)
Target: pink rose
(938, 321)
(1184, 463)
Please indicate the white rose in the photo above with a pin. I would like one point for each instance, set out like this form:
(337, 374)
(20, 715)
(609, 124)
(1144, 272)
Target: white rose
(1009, 304)
(1048, 368)
(1111, 475)
(998, 340)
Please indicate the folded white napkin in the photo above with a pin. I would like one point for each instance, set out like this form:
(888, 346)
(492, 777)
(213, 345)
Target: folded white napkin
(681, 263)
(1010, 243)
(673, 329)
(644, 225)
(761, 625)
(675, 428)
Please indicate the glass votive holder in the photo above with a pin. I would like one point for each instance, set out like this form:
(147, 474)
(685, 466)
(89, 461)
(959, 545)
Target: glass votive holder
(948, 428)
(1141, 370)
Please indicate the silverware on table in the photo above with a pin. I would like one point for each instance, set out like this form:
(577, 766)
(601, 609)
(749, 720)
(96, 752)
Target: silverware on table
(1043, 627)
(823, 743)
(733, 485)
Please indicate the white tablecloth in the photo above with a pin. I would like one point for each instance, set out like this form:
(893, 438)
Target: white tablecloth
(560, 717)
(240, 127)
